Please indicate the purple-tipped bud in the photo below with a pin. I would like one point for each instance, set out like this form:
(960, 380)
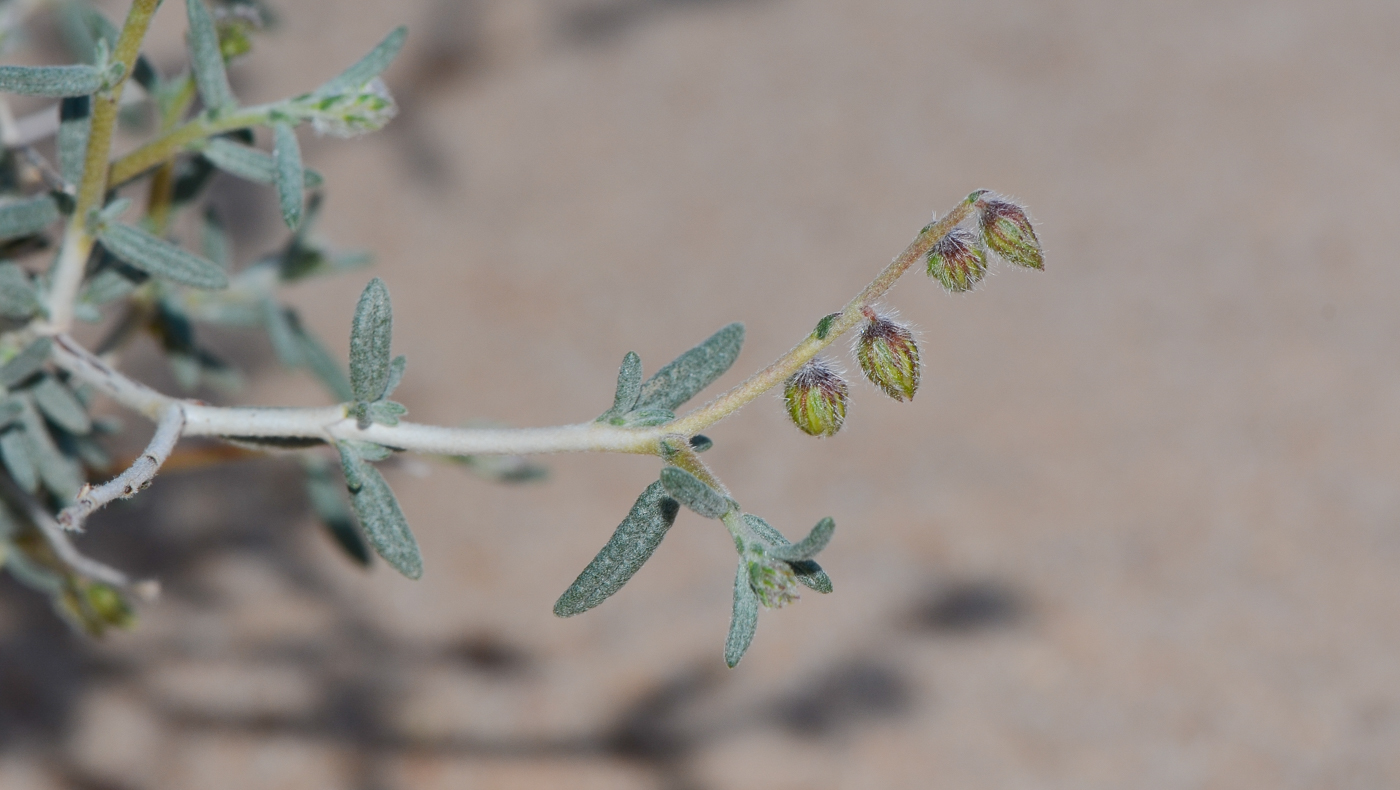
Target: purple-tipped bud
(889, 357)
(773, 582)
(1007, 231)
(816, 398)
(957, 260)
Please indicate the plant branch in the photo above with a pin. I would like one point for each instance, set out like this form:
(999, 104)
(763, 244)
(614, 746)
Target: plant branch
(169, 144)
(58, 541)
(789, 363)
(330, 424)
(136, 478)
(67, 274)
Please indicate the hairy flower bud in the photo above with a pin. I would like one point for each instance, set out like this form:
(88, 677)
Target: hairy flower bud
(774, 583)
(109, 605)
(889, 357)
(355, 112)
(957, 261)
(1008, 232)
(235, 24)
(816, 398)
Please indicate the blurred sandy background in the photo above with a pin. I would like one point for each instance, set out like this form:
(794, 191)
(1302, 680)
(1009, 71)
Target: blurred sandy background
(1138, 529)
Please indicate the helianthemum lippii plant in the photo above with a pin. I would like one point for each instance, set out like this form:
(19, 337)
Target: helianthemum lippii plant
(122, 264)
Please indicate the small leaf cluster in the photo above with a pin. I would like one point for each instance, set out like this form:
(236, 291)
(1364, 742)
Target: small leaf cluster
(654, 402)
(142, 278)
(770, 567)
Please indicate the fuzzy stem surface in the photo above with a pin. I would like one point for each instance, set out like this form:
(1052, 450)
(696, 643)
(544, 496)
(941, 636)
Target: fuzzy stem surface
(67, 275)
(332, 423)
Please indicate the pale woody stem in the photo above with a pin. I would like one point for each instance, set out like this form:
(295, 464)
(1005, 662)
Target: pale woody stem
(330, 423)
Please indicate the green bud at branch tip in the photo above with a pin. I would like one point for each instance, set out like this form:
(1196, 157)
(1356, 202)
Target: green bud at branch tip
(1007, 231)
(773, 582)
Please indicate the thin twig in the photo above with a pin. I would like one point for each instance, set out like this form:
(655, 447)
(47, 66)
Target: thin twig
(58, 541)
(136, 478)
(330, 424)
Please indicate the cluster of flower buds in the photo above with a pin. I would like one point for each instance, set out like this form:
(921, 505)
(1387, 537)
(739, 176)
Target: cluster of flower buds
(773, 582)
(235, 24)
(354, 112)
(888, 356)
(816, 398)
(959, 259)
(816, 394)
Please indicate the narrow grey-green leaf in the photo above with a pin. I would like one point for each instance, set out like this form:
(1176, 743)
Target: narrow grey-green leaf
(26, 363)
(18, 299)
(370, 336)
(31, 574)
(808, 547)
(286, 154)
(106, 286)
(60, 474)
(58, 404)
(285, 342)
(249, 163)
(24, 217)
(351, 465)
(323, 365)
(644, 418)
(686, 375)
(629, 387)
(396, 371)
(386, 412)
(74, 121)
(206, 58)
(368, 67)
(113, 211)
(366, 451)
(11, 408)
(244, 161)
(8, 529)
(630, 546)
(694, 493)
(213, 241)
(384, 523)
(52, 81)
(18, 462)
(96, 24)
(79, 35)
(329, 505)
(744, 621)
(501, 468)
(159, 258)
(809, 573)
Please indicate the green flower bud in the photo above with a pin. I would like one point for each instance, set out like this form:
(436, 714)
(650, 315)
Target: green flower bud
(1007, 231)
(109, 605)
(235, 24)
(957, 261)
(816, 398)
(773, 582)
(354, 112)
(889, 357)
